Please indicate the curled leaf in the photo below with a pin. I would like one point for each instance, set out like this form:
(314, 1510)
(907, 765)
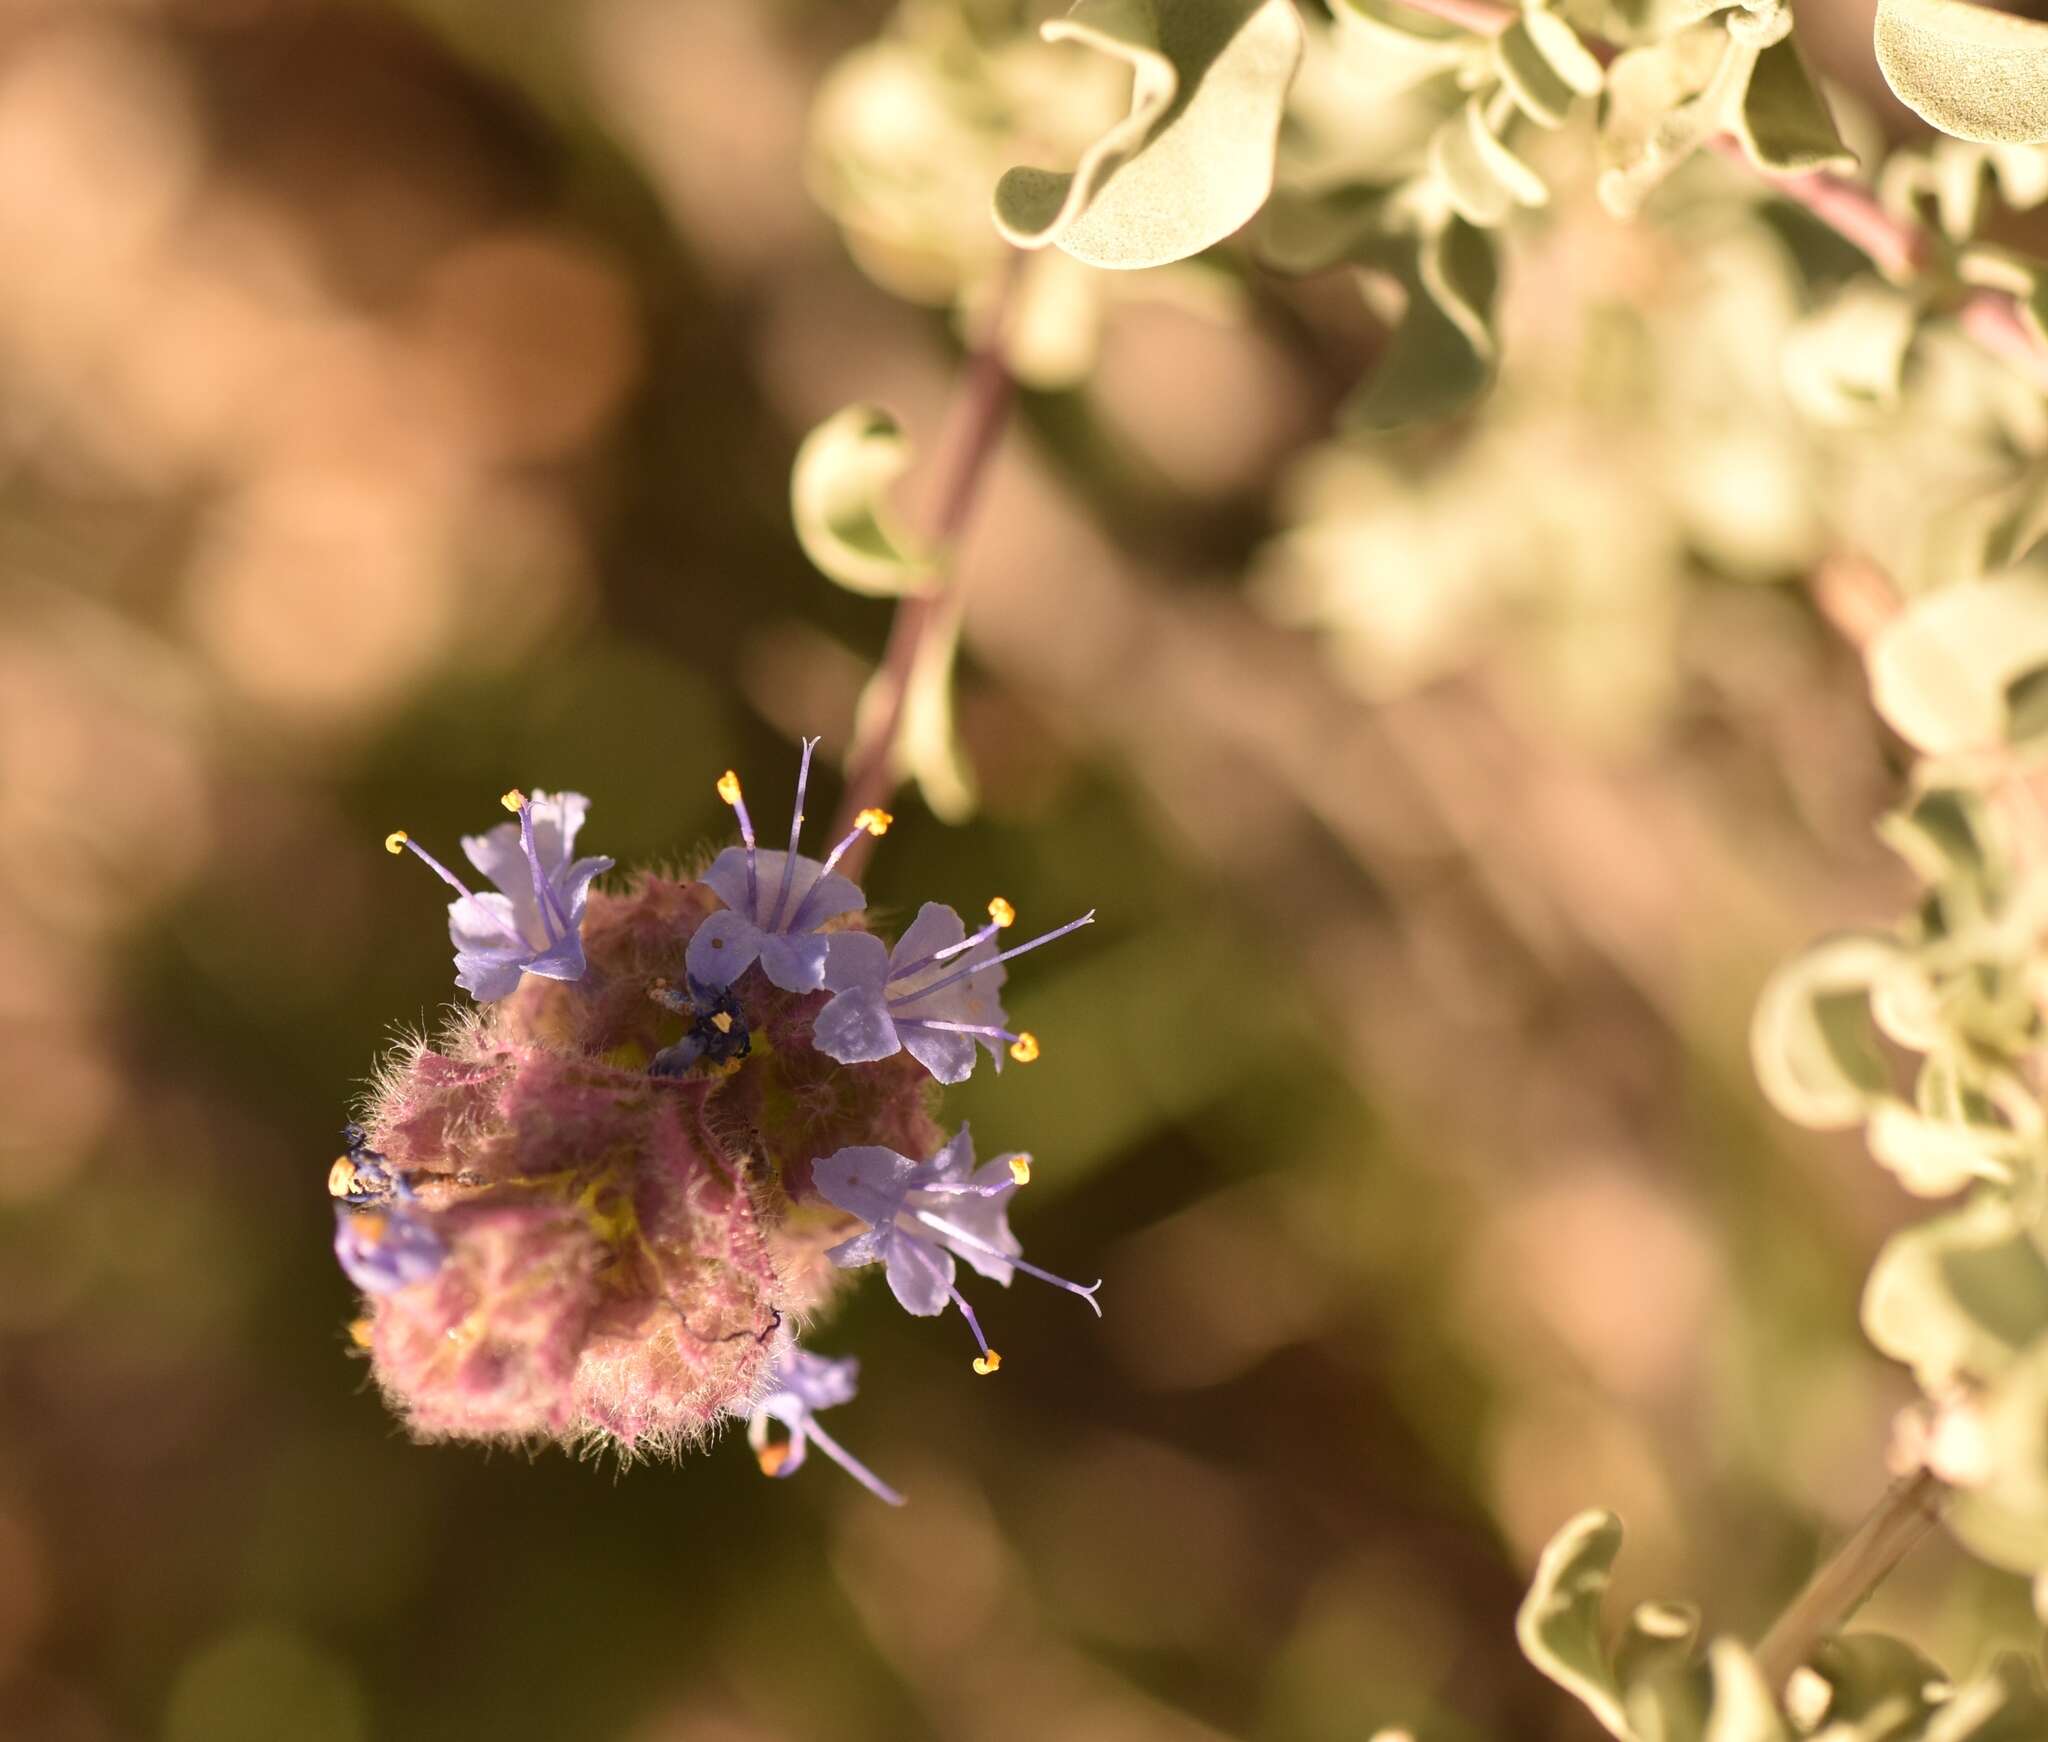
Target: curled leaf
(1481, 177)
(1813, 1042)
(1959, 1296)
(1193, 160)
(1743, 1710)
(1544, 65)
(1972, 72)
(1558, 1624)
(1782, 121)
(1441, 357)
(838, 498)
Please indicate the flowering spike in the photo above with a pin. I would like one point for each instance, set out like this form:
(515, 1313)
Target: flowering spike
(987, 1364)
(1020, 1169)
(1024, 1049)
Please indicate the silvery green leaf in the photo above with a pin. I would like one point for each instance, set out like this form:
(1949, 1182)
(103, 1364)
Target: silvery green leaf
(1372, 36)
(1971, 71)
(1959, 1295)
(1441, 357)
(1782, 121)
(1941, 834)
(1880, 1687)
(1656, 113)
(1656, 1638)
(1482, 178)
(1193, 160)
(1939, 670)
(1812, 1039)
(1544, 66)
(1559, 1625)
(1743, 1710)
(928, 746)
(838, 498)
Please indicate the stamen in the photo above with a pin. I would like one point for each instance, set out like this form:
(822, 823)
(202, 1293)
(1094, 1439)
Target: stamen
(873, 821)
(341, 1177)
(1002, 913)
(1087, 918)
(796, 829)
(514, 801)
(554, 922)
(987, 1364)
(395, 841)
(771, 1458)
(729, 790)
(869, 822)
(360, 1331)
(1020, 1169)
(721, 1021)
(953, 1231)
(853, 1466)
(1024, 1049)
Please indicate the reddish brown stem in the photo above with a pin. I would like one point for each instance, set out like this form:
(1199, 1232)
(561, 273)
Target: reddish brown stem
(974, 432)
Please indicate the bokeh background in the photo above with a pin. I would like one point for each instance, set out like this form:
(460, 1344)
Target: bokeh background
(396, 404)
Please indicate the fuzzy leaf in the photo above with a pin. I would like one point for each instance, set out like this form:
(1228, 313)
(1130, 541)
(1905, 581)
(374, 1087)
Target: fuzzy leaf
(1441, 357)
(1558, 1624)
(1959, 1295)
(1940, 670)
(1972, 72)
(1879, 1686)
(1193, 160)
(1812, 1040)
(1483, 179)
(1934, 1158)
(1544, 65)
(1783, 121)
(838, 498)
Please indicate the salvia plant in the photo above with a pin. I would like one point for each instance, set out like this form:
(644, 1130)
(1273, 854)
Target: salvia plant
(600, 1207)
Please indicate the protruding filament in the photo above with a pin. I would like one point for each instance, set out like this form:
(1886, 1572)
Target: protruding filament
(1002, 913)
(1024, 1048)
(987, 1364)
(960, 1236)
(341, 1177)
(514, 801)
(1020, 1169)
(729, 790)
(796, 831)
(1087, 918)
(395, 841)
(873, 821)
(553, 920)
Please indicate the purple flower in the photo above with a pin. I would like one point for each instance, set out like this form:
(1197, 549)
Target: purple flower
(922, 1215)
(388, 1247)
(775, 902)
(533, 922)
(801, 1385)
(933, 996)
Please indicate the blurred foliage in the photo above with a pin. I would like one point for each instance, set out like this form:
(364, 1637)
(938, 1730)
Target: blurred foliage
(398, 402)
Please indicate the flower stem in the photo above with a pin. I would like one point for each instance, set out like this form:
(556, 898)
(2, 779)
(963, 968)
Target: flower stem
(975, 428)
(1911, 1507)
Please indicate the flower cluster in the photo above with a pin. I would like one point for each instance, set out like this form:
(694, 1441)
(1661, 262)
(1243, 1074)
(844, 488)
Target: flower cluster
(598, 1208)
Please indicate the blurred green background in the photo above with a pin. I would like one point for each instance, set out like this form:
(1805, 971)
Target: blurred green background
(396, 404)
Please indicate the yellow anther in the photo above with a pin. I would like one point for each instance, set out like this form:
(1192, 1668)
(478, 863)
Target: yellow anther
(341, 1177)
(1024, 1048)
(876, 822)
(772, 1458)
(359, 1332)
(729, 787)
(514, 801)
(1020, 1169)
(370, 1230)
(1002, 912)
(395, 841)
(987, 1364)
(722, 1022)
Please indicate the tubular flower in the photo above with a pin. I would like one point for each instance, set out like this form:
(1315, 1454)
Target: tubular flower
(532, 922)
(920, 1216)
(801, 1385)
(775, 902)
(933, 995)
(589, 1210)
